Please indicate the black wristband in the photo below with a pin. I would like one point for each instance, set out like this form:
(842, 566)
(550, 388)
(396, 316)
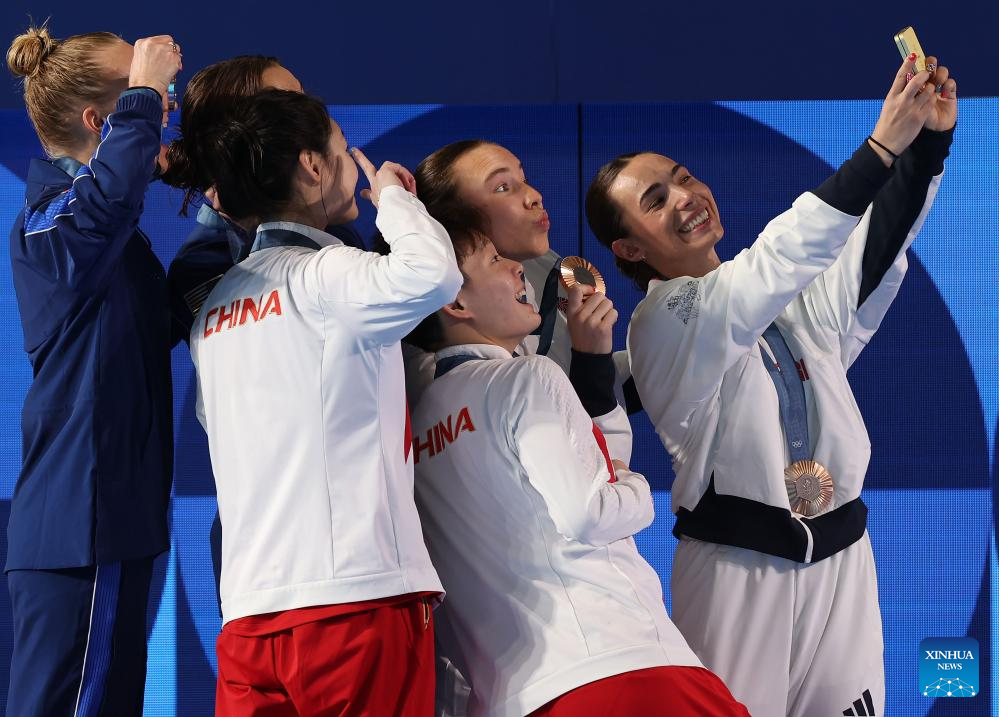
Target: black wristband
(632, 401)
(894, 156)
(592, 376)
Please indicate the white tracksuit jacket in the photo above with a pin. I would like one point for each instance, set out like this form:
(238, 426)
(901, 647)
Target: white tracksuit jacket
(694, 346)
(546, 589)
(453, 689)
(420, 364)
(301, 391)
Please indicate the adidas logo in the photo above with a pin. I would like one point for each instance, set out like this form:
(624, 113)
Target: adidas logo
(863, 707)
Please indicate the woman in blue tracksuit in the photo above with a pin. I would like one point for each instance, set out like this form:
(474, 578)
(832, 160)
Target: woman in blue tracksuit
(89, 512)
(216, 243)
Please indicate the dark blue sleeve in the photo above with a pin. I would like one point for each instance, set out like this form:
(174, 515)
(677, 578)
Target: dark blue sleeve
(77, 239)
(856, 183)
(592, 376)
(899, 203)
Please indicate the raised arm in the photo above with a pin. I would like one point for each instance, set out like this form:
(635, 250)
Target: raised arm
(690, 331)
(854, 295)
(389, 295)
(79, 236)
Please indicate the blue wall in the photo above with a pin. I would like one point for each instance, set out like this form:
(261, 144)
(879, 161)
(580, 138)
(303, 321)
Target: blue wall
(928, 384)
(470, 51)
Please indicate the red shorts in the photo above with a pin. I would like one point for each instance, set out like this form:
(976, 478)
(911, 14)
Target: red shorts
(374, 659)
(672, 691)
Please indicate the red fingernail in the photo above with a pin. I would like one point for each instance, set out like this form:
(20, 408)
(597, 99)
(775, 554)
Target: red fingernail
(912, 57)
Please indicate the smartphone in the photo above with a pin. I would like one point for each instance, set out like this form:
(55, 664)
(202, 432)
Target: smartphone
(172, 101)
(908, 43)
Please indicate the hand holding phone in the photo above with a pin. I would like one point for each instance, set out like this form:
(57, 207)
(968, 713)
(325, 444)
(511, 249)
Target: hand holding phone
(943, 114)
(908, 43)
(904, 112)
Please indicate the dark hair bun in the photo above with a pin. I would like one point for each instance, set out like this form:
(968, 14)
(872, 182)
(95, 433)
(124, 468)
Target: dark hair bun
(251, 157)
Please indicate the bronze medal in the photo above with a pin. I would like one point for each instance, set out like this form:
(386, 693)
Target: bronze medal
(809, 487)
(575, 270)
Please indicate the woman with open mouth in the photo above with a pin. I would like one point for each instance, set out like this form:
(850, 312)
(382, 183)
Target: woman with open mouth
(481, 186)
(742, 366)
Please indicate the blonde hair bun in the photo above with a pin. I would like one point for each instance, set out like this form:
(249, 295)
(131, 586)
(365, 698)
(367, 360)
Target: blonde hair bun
(28, 51)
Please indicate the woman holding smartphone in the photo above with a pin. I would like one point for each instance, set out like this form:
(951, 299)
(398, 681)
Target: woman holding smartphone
(742, 366)
(89, 512)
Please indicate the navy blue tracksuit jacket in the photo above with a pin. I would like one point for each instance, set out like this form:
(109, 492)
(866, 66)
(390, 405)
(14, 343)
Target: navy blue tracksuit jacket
(94, 486)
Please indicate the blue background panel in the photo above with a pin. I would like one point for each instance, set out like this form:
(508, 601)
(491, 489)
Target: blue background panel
(928, 384)
(455, 51)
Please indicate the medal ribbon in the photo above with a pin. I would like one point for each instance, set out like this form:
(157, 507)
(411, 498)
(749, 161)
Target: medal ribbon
(449, 362)
(790, 394)
(549, 299)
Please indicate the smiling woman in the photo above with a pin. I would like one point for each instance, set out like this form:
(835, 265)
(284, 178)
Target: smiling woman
(742, 366)
(632, 190)
(480, 189)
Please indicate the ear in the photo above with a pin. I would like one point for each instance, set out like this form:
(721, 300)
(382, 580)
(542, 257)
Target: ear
(457, 310)
(92, 120)
(628, 249)
(311, 163)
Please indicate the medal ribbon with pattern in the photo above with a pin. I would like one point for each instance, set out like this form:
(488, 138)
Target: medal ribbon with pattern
(809, 485)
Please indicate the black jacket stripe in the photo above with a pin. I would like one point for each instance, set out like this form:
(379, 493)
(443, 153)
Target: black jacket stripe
(898, 204)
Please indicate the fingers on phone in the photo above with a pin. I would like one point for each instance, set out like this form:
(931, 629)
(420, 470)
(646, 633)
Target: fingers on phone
(915, 83)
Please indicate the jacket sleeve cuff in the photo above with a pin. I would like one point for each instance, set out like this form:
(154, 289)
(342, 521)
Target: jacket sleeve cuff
(930, 149)
(143, 90)
(592, 377)
(143, 100)
(855, 184)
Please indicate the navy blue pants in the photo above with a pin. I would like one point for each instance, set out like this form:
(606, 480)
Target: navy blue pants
(215, 540)
(79, 640)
